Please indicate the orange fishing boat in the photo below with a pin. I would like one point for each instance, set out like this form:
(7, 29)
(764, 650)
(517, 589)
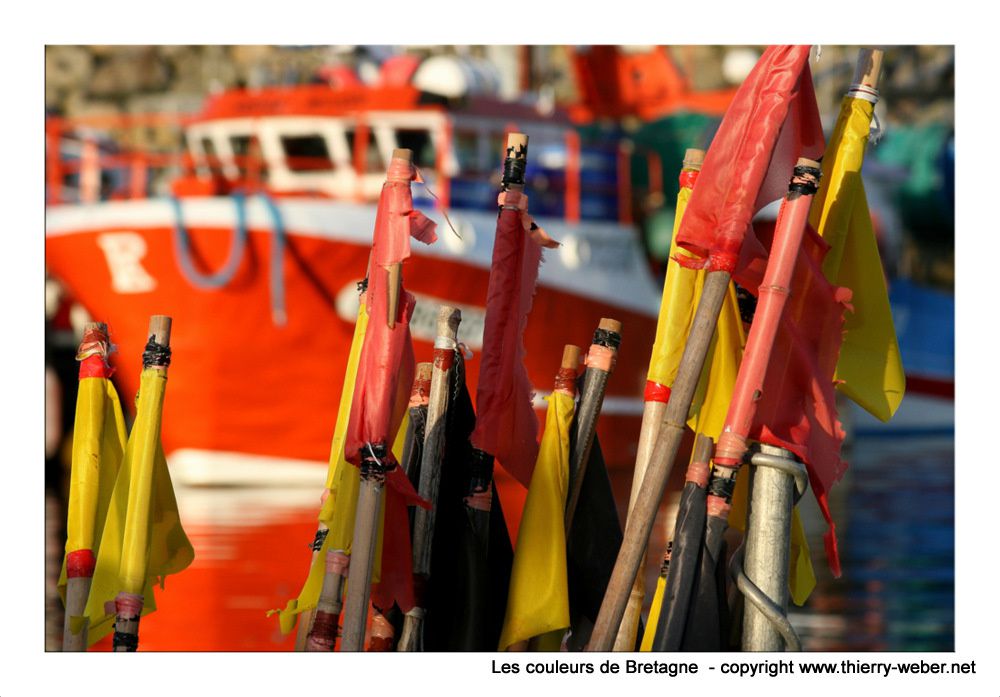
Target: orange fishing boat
(258, 249)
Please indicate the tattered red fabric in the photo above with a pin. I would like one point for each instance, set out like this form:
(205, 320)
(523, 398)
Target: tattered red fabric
(771, 122)
(506, 425)
(385, 373)
(797, 410)
(396, 213)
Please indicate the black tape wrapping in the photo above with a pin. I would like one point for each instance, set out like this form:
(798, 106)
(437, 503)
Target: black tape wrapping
(319, 539)
(811, 175)
(130, 642)
(513, 171)
(665, 564)
(607, 338)
(155, 354)
(363, 285)
(722, 487)
(375, 461)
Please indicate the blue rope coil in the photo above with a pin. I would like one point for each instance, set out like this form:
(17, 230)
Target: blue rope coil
(221, 278)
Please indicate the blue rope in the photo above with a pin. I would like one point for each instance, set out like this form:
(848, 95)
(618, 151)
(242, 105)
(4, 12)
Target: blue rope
(278, 314)
(182, 248)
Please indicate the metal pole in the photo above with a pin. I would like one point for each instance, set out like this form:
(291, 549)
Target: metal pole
(768, 540)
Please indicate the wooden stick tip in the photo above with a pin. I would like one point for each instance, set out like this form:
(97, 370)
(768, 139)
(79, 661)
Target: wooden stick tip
(869, 67)
(703, 447)
(806, 162)
(517, 143)
(403, 154)
(447, 312)
(693, 157)
(610, 325)
(571, 356)
(159, 328)
(424, 371)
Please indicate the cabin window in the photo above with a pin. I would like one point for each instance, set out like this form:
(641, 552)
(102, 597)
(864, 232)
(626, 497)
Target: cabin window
(419, 141)
(247, 154)
(211, 158)
(371, 158)
(466, 144)
(306, 153)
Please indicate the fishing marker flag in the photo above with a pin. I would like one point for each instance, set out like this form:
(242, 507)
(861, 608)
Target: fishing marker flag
(385, 373)
(771, 122)
(143, 540)
(538, 602)
(869, 371)
(506, 425)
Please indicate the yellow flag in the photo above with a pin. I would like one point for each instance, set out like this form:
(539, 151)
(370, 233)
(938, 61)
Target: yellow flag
(654, 615)
(342, 483)
(538, 600)
(98, 446)
(682, 290)
(681, 293)
(142, 541)
(869, 365)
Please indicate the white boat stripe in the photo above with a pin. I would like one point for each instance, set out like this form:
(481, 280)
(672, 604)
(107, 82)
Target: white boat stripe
(600, 261)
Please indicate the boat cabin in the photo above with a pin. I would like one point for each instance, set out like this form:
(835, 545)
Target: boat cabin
(314, 140)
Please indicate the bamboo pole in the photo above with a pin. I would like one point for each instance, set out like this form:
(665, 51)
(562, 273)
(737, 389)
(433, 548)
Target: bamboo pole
(639, 526)
(80, 563)
(129, 602)
(733, 447)
(652, 415)
(445, 346)
(600, 364)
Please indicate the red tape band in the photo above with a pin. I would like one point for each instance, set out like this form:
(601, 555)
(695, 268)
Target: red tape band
(655, 392)
(80, 564)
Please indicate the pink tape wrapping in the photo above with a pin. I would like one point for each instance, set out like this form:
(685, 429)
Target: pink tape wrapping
(601, 357)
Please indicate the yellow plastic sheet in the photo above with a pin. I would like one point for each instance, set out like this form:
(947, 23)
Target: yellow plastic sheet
(143, 540)
(538, 600)
(869, 365)
(99, 439)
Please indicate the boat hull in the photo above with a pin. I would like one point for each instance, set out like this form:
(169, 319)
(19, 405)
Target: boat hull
(244, 379)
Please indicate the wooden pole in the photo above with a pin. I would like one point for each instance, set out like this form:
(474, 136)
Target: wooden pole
(128, 603)
(869, 67)
(652, 415)
(430, 470)
(600, 364)
(639, 526)
(359, 577)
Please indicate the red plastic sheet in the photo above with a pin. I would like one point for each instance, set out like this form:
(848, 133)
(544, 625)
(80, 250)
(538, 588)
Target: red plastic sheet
(797, 410)
(385, 376)
(506, 425)
(771, 122)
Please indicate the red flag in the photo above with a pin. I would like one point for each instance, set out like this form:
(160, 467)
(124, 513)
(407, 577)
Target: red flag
(506, 425)
(385, 373)
(771, 122)
(797, 410)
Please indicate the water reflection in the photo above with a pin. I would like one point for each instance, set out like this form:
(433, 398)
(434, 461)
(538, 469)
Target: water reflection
(894, 512)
